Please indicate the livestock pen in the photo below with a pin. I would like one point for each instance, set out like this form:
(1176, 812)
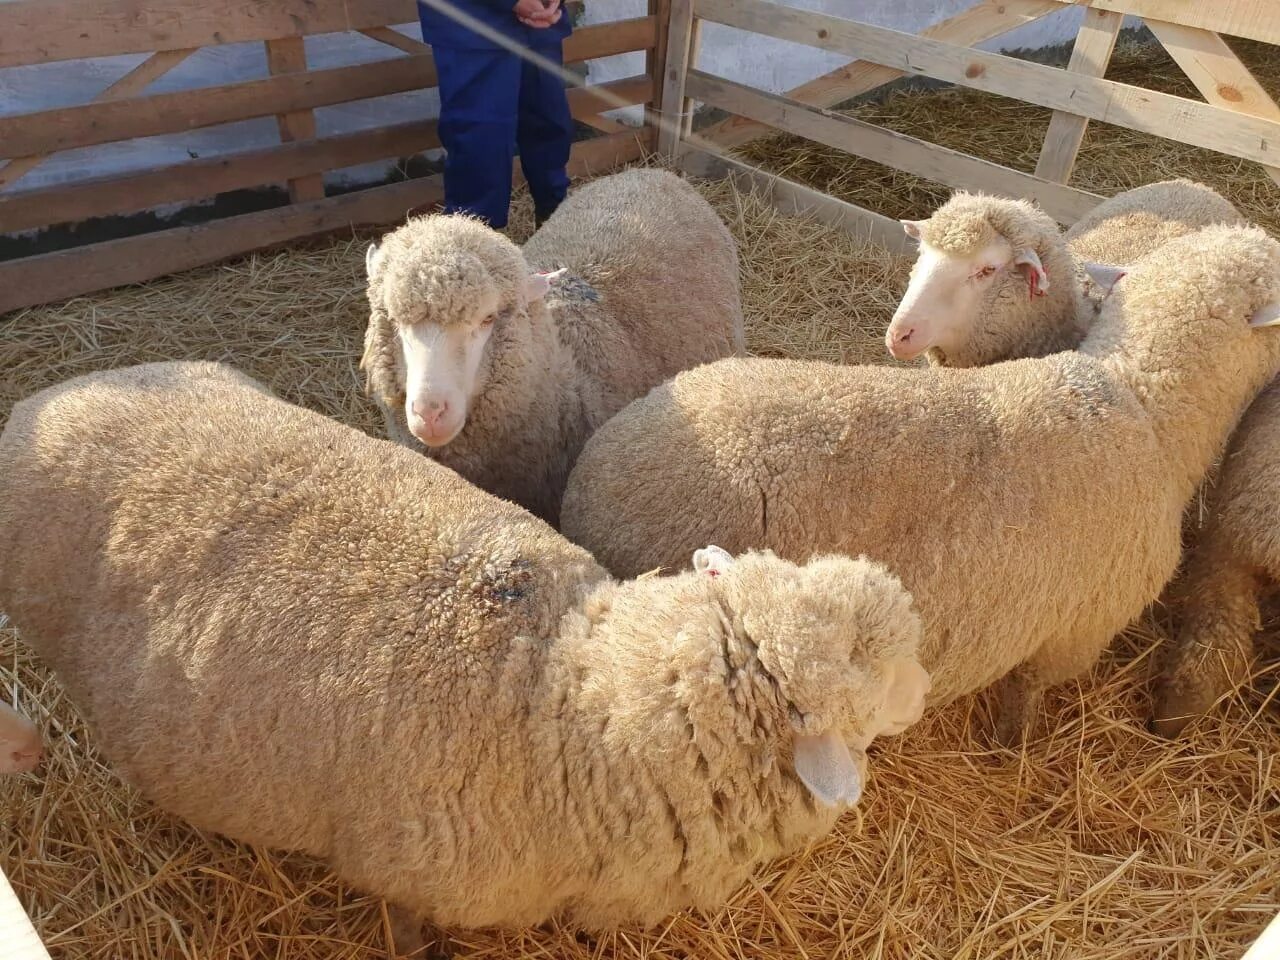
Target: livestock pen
(1096, 840)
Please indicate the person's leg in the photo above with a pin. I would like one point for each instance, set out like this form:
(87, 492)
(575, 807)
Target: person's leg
(479, 99)
(544, 134)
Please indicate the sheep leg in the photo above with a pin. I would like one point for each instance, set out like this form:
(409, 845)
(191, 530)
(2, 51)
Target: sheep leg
(406, 931)
(1018, 694)
(1214, 647)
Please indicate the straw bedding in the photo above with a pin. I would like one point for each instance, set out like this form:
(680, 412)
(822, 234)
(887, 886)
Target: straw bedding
(1096, 841)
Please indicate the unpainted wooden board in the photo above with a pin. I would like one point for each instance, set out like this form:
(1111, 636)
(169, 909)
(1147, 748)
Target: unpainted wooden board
(1256, 19)
(131, 84)
(1148, 111)
(67, 128)
(794, 199)
(680, 46)
(199, 179)
(889, 147)
(1094, 45)
(982, 21)
(1217, 72)
(56, 276)
(288, 55)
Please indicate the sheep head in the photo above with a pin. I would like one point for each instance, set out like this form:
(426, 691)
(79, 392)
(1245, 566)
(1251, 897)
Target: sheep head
(820, 656)
(982, 260)
(20, 746)
(446, 292)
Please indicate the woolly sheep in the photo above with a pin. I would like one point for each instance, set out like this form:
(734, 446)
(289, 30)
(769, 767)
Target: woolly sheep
(1234, 556)
(996, 280)
(296, 635)
(500, 363)
(1032, 508)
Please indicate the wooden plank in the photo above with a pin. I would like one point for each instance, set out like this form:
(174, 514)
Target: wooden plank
(68, 128)
(674, 103)
(199, 179)
(1148, 111)
(41, 31)
(1217, 72)
(1255, 19)
(68, 273)
(888, 147)
(978, 23)
(794, 199)
(285, 56)
(1094, 45)
(16, 932)
(655, 62)
(394, 38)
(131, 84)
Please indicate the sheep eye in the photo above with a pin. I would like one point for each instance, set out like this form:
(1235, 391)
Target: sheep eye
(984, 273)
(488, 321)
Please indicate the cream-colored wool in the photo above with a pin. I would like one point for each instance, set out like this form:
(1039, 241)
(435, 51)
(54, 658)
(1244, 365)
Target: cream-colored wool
(1012, 325)
(651, 288)
(1234, 558)
(1032, 508)
(296, 635)
(1233, 555)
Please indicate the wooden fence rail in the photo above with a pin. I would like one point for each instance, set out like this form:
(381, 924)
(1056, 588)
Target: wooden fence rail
(41, 31)
(1237, 117)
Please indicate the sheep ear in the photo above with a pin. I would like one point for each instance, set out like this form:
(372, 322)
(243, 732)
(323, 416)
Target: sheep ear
(537, 285)
(712, 560)
(372, 259)
(912, 228)
(825, 765)
(1037, 278)
(1268, 316)
(1103, 276)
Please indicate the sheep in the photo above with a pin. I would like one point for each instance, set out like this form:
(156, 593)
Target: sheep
(1234, 557)
(1230, 556)
(302, 637)
(500, 363)
(1032, 508)
(20, 745)
(996, 280)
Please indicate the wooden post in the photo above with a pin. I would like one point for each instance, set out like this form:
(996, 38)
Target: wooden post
(674, 103)
(655, 61)
(289, 55)
(1095, 43)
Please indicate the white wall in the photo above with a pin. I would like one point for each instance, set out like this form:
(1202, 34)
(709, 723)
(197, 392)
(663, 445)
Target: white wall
(772, 64)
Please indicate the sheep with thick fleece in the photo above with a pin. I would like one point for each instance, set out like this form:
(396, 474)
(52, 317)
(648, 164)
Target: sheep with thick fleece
(1232, 554)
(1032, 508)
(996, 280)
(296, 635)
(500, 362)
(1234, 558)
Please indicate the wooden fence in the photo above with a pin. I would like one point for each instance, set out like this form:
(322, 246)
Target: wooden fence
(170, 31)
(1237, 117)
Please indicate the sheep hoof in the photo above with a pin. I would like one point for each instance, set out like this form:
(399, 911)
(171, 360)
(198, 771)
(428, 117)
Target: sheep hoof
(406, 933)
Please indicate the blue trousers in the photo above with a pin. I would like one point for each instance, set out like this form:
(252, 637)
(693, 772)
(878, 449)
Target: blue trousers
(492, 101)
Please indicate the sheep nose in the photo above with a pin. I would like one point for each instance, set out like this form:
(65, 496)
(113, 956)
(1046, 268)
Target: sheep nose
(430, 411)
(903, 336)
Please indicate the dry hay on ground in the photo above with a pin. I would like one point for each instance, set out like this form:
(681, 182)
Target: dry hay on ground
(1011, 132)
(1098, 842)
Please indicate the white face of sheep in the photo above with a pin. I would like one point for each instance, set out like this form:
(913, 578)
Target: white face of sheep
(442, 362)
(946, 295)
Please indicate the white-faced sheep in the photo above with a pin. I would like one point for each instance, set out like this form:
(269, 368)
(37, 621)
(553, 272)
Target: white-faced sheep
(996, 280)
(1032, 508)
(1231, 555)
(299, 636)
(500, 363)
